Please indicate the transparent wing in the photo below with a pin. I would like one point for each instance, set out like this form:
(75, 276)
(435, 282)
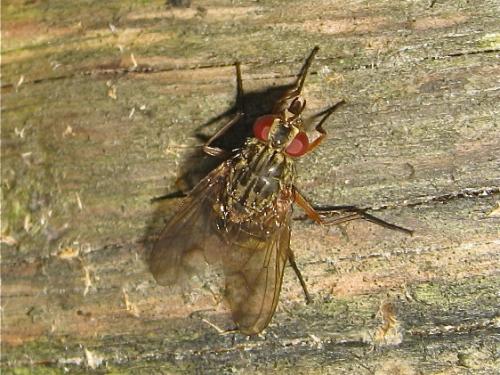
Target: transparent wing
(252, 253)
(254, 271)
(190, 239)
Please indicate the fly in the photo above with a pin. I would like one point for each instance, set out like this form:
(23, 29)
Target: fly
(238, 217)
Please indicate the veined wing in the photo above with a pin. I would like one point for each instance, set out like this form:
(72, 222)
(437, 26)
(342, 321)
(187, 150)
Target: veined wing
(252, 253)
(253, 268)
(190, 239)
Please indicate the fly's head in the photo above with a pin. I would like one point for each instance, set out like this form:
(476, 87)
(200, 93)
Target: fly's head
(284, 131)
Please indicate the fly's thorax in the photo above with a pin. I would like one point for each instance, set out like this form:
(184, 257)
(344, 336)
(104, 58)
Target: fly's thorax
(259, 176)
(282, 133)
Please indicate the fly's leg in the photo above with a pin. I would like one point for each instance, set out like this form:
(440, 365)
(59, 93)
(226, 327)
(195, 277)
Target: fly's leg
(303, 74)
(304, 204)
(217, 151)
(207, 147)
(175, 194)
(317, 214)
(319, 128)
(219, 330)
(353, 213)
(313, 215)
(297, 89)
(291, 259)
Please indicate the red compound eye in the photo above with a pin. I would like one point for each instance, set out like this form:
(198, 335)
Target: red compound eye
(299, 145)
(262, 126)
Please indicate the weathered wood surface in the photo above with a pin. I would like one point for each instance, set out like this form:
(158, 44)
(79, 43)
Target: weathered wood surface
(104, 106)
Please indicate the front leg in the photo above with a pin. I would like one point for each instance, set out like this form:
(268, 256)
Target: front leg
(296, 89)
(319, 128)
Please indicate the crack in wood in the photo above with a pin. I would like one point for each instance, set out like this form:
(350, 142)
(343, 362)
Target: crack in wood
(145, 69)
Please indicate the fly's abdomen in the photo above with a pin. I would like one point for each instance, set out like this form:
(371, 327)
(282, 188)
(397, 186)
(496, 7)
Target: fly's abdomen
(260, 175)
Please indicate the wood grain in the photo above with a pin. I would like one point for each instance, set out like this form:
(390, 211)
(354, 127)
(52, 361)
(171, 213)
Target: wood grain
(105, 105)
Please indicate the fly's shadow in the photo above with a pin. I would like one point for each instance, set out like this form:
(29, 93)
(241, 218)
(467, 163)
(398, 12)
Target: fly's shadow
(251, 105)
